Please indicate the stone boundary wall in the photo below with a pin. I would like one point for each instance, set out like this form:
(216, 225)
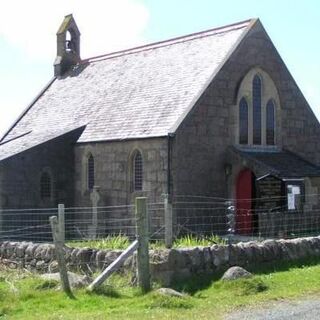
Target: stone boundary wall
(166, 265)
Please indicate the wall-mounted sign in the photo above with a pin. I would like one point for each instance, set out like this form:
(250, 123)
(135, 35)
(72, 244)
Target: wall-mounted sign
(293, 196)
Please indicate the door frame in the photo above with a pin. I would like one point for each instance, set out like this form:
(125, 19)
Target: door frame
(245, 224)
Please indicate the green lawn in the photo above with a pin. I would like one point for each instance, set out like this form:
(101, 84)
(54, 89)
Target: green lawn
(23, 296)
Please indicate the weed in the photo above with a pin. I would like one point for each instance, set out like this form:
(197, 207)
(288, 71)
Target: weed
(4, 311)
(210, 298)
(46, 285)
(160, 301)
(113, 242)
(243, 287)
(107, 291)
(121, 242)
(194, 241)
(2, 294)
(194, 283)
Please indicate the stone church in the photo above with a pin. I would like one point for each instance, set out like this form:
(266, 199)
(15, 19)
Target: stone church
(214, 113)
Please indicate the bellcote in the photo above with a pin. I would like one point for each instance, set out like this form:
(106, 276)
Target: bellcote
(68, 46)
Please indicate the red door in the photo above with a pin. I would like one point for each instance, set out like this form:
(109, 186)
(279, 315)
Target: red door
(244, 202)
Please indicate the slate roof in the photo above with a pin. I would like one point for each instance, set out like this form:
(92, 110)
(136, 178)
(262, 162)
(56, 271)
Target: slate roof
(138, 93)
(283, 164)
(29, 140)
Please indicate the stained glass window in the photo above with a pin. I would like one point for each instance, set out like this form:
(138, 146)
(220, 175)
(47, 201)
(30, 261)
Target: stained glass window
(256, 105)
(90, 172)
(270, 122)
(243, 121)
(137, 171)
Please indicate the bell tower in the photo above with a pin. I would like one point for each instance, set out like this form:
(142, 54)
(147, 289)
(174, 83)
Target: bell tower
(68, 46)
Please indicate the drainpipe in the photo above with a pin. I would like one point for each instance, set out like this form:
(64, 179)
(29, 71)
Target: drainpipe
(169, 191)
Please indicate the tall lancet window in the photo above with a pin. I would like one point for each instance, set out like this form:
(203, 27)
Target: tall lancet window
(270, 117)
(137, 171)
(256, 109)
(90, 172)
(243, 121)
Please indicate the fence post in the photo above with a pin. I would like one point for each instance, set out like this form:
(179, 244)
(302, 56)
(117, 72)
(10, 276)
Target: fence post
(143, 243)
(1, 221)
(168, 223)
(94, 197)
(58, 244)
(115, 265)
(231, 220)
(61, 220)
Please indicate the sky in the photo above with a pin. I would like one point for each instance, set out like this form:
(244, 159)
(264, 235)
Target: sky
(28, 36)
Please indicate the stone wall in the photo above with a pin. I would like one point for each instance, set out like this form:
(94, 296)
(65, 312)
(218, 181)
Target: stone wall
(166, 265)
(113, 170)
(199, 151)
(20, 174)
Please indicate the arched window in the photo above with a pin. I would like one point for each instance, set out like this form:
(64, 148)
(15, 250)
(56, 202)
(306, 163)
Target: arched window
(256, 107)
(45, 185)
(70, 42)
(270, 122)
(243, 121)
(90, 172)
(257, 110)
(137, 166)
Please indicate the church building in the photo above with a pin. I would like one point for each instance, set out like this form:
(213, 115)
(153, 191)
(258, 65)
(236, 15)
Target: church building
(214, 113)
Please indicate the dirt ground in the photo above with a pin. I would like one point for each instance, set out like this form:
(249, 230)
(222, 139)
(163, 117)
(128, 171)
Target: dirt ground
(302, 309)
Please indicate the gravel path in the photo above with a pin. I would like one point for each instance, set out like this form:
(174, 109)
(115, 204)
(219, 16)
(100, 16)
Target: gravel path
(306, 309)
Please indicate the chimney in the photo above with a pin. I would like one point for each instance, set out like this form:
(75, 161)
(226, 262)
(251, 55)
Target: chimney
(68, 46)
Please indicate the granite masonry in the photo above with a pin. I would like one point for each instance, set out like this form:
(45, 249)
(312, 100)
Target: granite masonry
(176, 104)
(166, 265)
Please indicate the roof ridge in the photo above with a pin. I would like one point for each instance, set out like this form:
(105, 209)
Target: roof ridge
(224, 39)
(163, 43)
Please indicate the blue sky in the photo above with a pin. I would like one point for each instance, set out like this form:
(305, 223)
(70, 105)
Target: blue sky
(27, 36)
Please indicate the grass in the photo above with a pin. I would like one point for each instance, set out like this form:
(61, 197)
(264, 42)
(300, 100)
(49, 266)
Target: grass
(113, 242)
(25, 296)
(193, 241)
(120, 242)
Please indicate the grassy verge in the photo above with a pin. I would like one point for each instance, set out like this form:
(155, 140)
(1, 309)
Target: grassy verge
(120, 242)
(24, 296)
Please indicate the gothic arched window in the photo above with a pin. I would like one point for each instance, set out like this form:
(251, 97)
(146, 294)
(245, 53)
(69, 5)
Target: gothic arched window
(257, 111)
(270, 117)
(256, 107)
(137, 166)
(243, 121)
(90, 172)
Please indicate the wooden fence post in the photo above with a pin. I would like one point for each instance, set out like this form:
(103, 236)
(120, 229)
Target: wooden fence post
(114, 266)
(58, 243)
(61, 220)
(95, 198)
(1, 222)
(168, 223)
(143, 243)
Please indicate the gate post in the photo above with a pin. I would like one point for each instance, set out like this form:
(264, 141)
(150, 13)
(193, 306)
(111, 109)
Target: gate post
(168, 222)
(61, 220)
(142, 221)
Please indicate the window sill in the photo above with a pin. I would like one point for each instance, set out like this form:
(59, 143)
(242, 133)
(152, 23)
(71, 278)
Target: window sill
(251, 147)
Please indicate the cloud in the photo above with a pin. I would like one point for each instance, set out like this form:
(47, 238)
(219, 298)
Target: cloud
(105, 25)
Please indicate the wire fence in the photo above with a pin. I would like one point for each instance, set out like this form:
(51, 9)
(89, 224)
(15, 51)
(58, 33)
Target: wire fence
(199, 216)
(33, 224)
(248, 219)
(26, 224)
